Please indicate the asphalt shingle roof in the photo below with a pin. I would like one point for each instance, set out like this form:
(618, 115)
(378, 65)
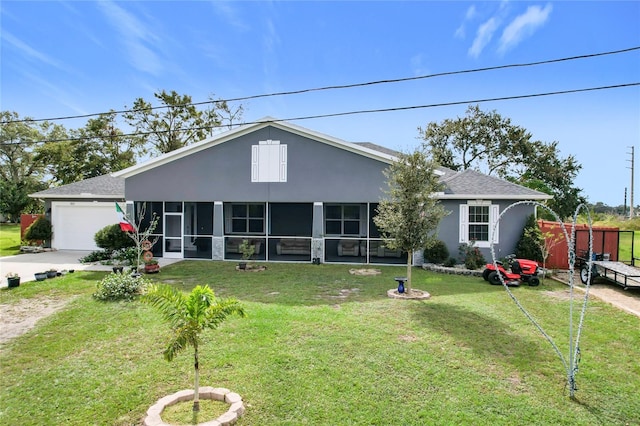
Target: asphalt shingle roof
(105, 186)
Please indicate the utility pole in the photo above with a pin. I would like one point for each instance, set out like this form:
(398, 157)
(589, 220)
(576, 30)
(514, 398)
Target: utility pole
(631, 214)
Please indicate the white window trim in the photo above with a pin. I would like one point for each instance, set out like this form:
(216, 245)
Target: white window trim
(269, 162)
(494, 213)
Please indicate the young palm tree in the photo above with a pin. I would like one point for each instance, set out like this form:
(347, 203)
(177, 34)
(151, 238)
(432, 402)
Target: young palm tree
(189, 315)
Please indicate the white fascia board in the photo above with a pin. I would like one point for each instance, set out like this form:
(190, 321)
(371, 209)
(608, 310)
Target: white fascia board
(492, 197)
(77, 197)
(330, 140)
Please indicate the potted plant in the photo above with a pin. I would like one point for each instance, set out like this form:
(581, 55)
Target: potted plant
(247, 250)
(13, 279)
(41, 276)
(52, 273)
(151, 266)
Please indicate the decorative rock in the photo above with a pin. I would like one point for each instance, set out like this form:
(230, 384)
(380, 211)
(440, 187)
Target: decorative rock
(415, 294)
(183, 395)
(153, 420)
(236, 409)
(228, 418)
(232, 398)
(218, 394)
(211, 423)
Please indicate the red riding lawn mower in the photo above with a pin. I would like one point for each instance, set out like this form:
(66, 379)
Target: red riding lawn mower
(522, 270)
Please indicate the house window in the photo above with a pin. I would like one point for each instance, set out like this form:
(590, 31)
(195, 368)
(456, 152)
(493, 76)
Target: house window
(269, 162)
(477, 221)
(342, 219)
(245, 218)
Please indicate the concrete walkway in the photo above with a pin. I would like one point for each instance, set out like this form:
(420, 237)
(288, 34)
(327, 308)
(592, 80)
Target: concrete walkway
(26, 265)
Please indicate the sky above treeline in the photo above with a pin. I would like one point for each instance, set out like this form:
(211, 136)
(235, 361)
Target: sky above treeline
(68, 58)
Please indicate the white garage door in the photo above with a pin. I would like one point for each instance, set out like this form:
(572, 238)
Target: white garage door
(75, 223)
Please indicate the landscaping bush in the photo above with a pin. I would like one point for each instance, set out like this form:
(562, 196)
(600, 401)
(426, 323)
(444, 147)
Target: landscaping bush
(436, 253)
(471, 255)
(120, 287)
(450, 262)
(112, 238)
(40, 230)
(527, 247)
(96, 256)
(125, 256)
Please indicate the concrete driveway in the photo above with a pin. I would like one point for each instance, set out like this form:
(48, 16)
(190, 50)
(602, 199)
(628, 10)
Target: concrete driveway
(26, 265)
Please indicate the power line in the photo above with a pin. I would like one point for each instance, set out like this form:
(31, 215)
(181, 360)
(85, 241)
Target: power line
(345, 86)
(367, 111)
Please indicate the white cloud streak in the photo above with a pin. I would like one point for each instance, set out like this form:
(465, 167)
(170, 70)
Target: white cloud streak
(483, 36)
(524, 26)
(137, 38)
(31, 53)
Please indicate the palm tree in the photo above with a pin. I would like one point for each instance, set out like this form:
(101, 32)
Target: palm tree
(189, 315)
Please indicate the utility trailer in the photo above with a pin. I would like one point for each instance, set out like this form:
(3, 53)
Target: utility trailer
(619, 273)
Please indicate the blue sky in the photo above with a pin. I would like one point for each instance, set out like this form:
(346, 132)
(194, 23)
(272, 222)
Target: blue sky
(81, 57)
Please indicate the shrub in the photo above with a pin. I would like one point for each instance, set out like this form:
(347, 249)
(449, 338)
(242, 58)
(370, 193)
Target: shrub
(437, 252)
(112, 238)
(527, 247)
(40, 230)
(472, 256)
(450, 262)
(120, 287)
(96, 256)
(127, 256)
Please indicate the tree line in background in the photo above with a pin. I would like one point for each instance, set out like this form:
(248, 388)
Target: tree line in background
(36, 155)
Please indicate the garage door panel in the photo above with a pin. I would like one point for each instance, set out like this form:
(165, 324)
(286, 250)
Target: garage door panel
(75, 224)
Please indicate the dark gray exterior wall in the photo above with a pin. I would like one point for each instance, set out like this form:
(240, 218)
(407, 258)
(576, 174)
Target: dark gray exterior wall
(510, 231)
(315, 172)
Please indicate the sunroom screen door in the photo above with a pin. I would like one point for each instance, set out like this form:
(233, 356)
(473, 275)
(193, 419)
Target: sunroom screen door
(173, 235)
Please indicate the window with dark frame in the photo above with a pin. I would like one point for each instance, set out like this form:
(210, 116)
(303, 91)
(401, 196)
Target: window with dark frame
(247, 218)
(342, 219)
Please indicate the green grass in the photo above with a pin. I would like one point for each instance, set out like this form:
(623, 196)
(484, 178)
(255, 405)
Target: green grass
(323, 347)
(9, 239)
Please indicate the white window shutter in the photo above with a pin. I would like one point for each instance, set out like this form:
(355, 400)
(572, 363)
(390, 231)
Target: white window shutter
(494, 212)
(464, 223)
(254, 163)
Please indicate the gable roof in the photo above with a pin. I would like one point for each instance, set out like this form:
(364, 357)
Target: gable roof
(249, 128)
(471, 184)
(467, 184)
(100, 187)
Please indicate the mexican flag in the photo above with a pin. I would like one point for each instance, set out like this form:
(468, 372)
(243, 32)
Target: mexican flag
(125, 225)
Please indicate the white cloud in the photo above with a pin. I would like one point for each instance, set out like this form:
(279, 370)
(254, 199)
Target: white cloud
(483, 36)
(469, 15)
(138, 39)
(30, 52)
(229, 14)
(524, 26)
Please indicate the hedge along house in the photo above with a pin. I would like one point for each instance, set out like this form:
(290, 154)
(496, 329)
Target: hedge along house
(298, 195)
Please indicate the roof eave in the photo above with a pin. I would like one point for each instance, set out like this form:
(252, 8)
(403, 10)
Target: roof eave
(540, 197)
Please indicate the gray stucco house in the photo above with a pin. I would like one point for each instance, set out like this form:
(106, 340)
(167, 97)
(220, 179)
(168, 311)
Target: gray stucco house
(295, 194)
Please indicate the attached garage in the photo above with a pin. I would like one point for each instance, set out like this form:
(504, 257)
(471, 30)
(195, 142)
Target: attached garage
(80, 209)
(75, 223)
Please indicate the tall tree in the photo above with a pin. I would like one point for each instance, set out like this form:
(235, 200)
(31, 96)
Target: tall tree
(490, 143)
(188, 316)
(20, 172)
(96, 149)
(177, 122)
(410, 214)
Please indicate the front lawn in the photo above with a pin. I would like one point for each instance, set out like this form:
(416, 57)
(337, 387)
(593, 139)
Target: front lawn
(9, 239)
(323, 347)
